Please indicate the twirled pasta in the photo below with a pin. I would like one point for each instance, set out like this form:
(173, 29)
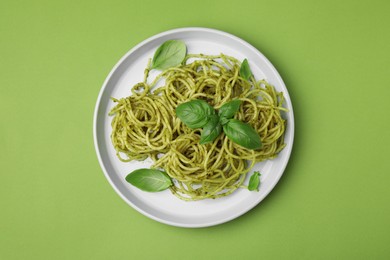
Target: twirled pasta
(145, 125)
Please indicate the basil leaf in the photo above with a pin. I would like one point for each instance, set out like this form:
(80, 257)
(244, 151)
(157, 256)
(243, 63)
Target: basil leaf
(211, 130)
(254, 181)
(195, 113)
(223, 120)
(242, 134)
(151, 180)
(229, 109)
(171, 53)
(245, 71)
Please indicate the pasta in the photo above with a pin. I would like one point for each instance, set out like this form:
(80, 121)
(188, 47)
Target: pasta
(145, 125)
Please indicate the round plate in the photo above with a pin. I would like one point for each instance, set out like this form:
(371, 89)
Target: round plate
(163, 206)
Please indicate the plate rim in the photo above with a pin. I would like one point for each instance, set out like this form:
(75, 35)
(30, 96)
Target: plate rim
(291, 125)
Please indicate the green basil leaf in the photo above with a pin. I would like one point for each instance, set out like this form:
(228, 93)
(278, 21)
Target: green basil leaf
(242, 134)
(211, 130)
(229, 109)
(254, 181)
(195, 113)
(171, 53)
(151, 180)
(245, 71)
(223, 120)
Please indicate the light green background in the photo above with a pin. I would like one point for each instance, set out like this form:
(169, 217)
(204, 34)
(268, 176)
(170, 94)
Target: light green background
(331, 203)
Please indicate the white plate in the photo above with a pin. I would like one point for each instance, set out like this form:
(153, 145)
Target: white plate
(163, 206)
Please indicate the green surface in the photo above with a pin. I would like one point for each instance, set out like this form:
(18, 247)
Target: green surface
(333, 200)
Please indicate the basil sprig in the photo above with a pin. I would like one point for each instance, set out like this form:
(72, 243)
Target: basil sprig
(254, 181)
(170, 54)
(150, 180)
(198, 113)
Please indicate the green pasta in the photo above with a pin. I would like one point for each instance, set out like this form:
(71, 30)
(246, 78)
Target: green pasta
(145, 125)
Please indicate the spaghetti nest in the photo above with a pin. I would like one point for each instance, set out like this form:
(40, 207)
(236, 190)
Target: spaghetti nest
(145, 125)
